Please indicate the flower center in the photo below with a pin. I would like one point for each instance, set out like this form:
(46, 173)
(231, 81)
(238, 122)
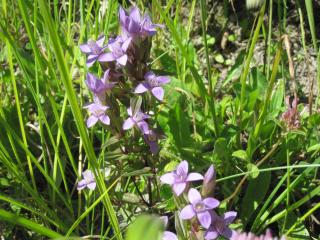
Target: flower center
(153, 82)
(219, 225)
(95, 49)
(138, 117)
(98, 112)
(199, 207)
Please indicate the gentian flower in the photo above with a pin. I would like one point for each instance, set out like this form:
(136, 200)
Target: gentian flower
(209, 181)
(99, 87)
(134, 26)
(219, 226)
(87, 181)
(179, 178)
(151, 139)
(167, 235)
(97, 113)
(154, 84)
(251, 236)
(199, 208)
(291, 117)
(118, 48)
(94, 50)
(136, 119)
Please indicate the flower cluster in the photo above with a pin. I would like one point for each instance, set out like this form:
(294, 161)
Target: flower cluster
(291, 117)
(200, 207)
(124, 61)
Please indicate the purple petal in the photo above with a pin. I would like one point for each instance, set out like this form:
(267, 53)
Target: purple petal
(135, 14)
(182, 168)
(92, 185)
(143, 126)
(141, 88)
(91, 60)
(91, 121)
(211, 234)
(211, 202)
(129, 111)
(229, 217)
(81, 184)
(100, 41)
(204, 219)
(88, 175)
(122, 16)
(209, 175)
(90, 81)
(85, 48)
(126, 44)
(154, 147)
(227, 233)
(129, 123)
(106, 57)
(187, 212)
(178, 188)
(194, 196)
(194, 177)
(122, 60)
(149, 76)
(163, 79)
(169, 236)
(167, 178)
(158, 92)
(105, 119)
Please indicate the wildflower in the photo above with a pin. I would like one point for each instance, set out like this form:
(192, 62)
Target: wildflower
(251, 236)
(97, 113)
(151, 139)
(219, 226)
(179, 178)
(153, 83)
(209, 181)
(118, 48)
(99, 86)
(94, 50)
(167, 235)
(134, 26)
(291, 117)
(87, 181)
(199, 208)
(136, 119)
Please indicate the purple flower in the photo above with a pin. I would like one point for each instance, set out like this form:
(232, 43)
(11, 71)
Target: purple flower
(118, 48)
(136, 119)
(179, 178)
(135, 26)
(209, 181)
(87, 181)
(199, 208)
(167, 235)
(153, 83)
(151, 139)
(292, 116)
(251, 236)
(94, 50)
(99, 87)
(219, 226)
(97, 113)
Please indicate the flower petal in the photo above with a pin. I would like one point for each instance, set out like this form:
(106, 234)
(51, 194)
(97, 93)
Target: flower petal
(85, 48)
(92, 185)
(122, 60)
(91, 121)
(211, 203)
(204, 219)
(187, 212)
(135, 14)
(100, 41)
(227, 233)
(105, 119)
(91, 60)
(122, 16)
(194, 177)
(167, 178)
(149, 76)
(81, 184)
(129, 123)
(229, 217)
(209, 175)
(106, 57)
(182, 168)
(163, 79)
(141, 88)
(178, 188)
(143, 126)
(126, 44)
(158, 92)
(169, 236)
(211, 234)
(194, 196)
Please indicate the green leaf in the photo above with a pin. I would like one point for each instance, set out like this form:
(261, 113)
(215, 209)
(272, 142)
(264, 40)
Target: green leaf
(241, 154)
(254, 170)
(145, 227)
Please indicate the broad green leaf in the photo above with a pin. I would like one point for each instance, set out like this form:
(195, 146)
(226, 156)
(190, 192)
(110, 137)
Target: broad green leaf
(241, 154)
(145, 227)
